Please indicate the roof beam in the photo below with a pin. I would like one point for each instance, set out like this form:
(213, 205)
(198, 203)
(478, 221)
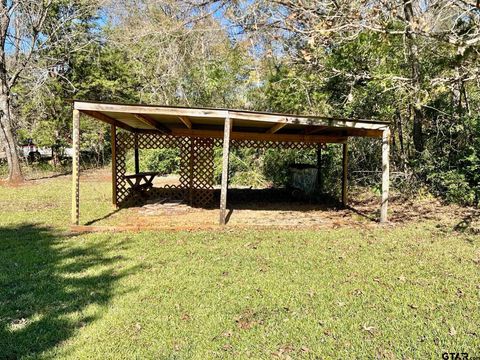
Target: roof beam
(307, 120)
(108, 119)
(150, 109)
(276, 128)
(151, 122)
(186, 121)
(262, 136)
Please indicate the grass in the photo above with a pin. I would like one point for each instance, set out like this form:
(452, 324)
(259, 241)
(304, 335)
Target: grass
(407, 291)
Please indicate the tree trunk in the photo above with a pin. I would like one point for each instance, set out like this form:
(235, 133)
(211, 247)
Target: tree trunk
(416, 76)
(8, 139)
(6, 129)
(418, 129)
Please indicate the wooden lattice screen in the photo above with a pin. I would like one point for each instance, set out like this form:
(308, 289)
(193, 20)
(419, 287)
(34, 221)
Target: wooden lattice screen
(196, 165)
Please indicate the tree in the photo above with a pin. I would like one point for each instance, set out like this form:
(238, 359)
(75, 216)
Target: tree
(175, 59)
(411, 62)
(28, 31)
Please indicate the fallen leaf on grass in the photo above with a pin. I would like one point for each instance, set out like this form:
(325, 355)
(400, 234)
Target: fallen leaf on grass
(357, 292)
(247, 320)
(452, 331)
(283, 351)
(19, 323)
(227, 347)
(304, 349)
(245, 325)
(386, 354)
(370, 329)
(82, 324)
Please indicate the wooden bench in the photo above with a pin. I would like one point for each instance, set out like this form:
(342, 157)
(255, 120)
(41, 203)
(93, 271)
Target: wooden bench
(141, 182)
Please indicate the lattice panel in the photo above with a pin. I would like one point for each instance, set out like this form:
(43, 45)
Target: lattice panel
(157, 141)
(201, 171)
(196, 164)
(272, 145)
(185, 165)
(124, 141)
(196, 168)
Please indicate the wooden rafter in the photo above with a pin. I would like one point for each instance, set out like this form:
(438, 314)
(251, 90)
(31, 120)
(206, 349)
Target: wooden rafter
(310, 130)
(186, 121)
(151, 122)
(276, 128)
(108, 120)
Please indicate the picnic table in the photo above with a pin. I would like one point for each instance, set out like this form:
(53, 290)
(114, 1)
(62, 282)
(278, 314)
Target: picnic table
(141, 182)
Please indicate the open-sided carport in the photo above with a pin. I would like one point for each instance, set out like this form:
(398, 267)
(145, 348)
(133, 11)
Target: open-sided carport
(195, 132)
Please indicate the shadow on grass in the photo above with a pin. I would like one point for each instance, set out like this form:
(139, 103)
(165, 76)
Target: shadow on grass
(111, 213)
(466, 225)
(363, 214)
(46, 284)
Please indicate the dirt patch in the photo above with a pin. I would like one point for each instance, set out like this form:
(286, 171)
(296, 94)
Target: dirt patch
(361, 213)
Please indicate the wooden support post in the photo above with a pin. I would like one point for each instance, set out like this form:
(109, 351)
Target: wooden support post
(137, 160)
(75, 168)
(225, 158)
(319, 168)
(345, 175)
(113, 140)
(385, 175)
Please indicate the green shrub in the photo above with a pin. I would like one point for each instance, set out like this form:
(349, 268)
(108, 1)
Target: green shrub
(453, 187)
(164, 161)
(276, 163)
(251, 178)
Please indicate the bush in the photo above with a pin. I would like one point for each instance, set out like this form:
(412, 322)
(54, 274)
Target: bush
(245, 167)
(453, 187)
(164, 161)
(251, 178)
(276, 163)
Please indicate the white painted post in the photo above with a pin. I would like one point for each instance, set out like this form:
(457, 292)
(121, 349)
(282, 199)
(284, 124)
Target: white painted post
(76, 168)
(385, 174)
(225, 155)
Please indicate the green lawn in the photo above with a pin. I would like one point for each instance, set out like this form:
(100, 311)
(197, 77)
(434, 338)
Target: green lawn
(407, 291)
